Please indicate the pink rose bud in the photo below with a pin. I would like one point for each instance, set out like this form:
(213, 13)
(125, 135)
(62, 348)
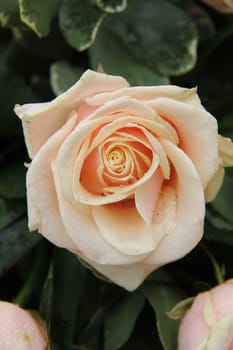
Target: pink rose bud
(225, 6)
(19, 330)
(208, 324)
(120, 175)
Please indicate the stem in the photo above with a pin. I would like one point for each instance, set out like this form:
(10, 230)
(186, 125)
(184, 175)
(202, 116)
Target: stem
(24, 295)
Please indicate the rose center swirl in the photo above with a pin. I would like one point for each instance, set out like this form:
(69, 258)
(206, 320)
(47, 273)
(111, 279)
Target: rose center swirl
(125, 161)
(115, 159)
(121, 160)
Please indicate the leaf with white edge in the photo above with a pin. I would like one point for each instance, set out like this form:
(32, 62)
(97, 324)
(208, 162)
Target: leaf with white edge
(179, 310)
(38, 14)
(120, 320)
(112, 6)
(109, 50)
(79, 22)
(9, 13)
(162, 297)
(158, 34)
(63, 76)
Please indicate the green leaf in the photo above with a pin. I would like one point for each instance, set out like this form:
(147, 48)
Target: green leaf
(121, 319)
(179, 310)
(112, 6)
(63, 76)
(67, 288)
(38, 14)
(163, 296)
(15, 241)
(40, 50)
(158, 34)
(109, 50)
(12, 184)
(9, 13)
(10, 210)
(13, 90)
(79, 21)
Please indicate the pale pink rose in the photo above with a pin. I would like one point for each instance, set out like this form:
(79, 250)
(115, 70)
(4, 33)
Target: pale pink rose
(118, 173)
(19, 330)
(208, 324)
(225, 6)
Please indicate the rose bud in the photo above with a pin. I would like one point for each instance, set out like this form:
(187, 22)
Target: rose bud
(19, 330)
(118, 173)
(208, 324)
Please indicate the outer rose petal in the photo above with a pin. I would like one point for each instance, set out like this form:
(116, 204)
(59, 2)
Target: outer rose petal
(222, 299)
(225, 151)
(197, 130)
(43, 211)
(41, 120)
(19, 331)
(225, 160)
(193, 320)
(188, 227)
(148, 93)
(128, 276)
(214, 185)
(220, 335)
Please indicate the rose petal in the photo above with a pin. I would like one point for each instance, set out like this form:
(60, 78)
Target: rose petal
(225, 151)
(19, 331)
(41, 120)
(220, 335)
(123, 228)
(146, 196)
(197, 130)
(125, 105)
(164, 216)
(193, 320)
(190, 209)
(214, 185)
(147, 93)
(43, 211)
(81, 227)
(69, 165)
(222, 300)
(127, 276)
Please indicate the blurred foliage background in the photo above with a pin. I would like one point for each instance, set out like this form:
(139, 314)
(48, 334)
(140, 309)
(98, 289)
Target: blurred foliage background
(44, 48)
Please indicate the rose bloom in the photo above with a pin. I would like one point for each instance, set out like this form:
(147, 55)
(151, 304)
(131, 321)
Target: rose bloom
(225, 6)
(19, 330)
(118, 173)
(208, 324)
